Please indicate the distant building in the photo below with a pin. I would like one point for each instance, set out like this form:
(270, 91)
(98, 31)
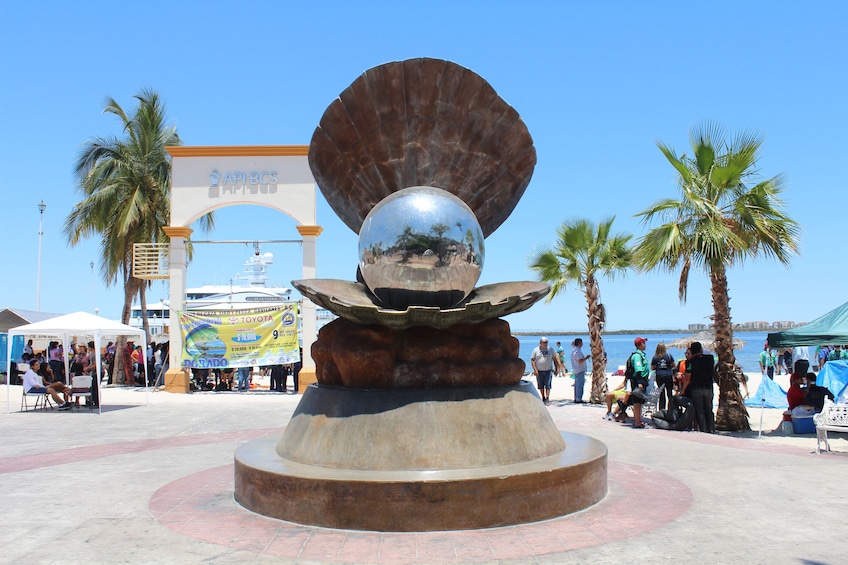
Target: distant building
(783, 324)
(697, 327)
(756, 325)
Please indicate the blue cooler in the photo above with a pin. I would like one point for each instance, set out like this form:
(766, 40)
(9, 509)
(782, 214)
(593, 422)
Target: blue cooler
(803, 424)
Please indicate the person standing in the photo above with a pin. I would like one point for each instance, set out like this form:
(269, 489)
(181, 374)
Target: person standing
(578, 366)
(55, 360)
(802, 359)
(543, 362)
(109, 361)
(561, 357)
(157, 362)
(767, 362)
(700, 368)
(244, 378)
(296, 368)
(663, 364)
(641, 371)
(129, 377)
(278, 378)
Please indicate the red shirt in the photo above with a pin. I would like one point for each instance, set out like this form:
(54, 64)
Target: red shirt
(795, 396)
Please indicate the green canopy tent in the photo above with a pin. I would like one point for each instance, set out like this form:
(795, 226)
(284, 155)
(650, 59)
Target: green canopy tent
(832, 328)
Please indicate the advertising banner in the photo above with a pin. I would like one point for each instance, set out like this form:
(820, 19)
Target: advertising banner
(241, 338)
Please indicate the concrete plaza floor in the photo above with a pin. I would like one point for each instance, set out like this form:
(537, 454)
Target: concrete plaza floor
(152, 483)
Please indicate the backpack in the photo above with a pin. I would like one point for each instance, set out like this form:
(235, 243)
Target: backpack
(629, 370)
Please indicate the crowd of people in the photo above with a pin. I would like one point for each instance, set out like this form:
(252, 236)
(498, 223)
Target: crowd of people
(137, 365)
(777, 361)
(548, 363)
(689, 384)
(241, 379)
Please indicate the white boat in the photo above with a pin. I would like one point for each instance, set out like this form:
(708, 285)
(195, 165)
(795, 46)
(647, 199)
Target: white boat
(247, 290)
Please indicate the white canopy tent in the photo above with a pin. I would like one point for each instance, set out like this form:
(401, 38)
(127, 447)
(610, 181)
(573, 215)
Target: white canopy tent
(77, 324)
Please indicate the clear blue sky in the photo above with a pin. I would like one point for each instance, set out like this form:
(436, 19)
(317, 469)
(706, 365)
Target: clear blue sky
(597, 83)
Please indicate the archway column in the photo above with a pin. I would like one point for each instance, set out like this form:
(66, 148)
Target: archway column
(308, 315)
(176, 380)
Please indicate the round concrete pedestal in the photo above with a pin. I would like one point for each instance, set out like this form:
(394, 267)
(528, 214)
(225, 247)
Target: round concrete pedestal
(420, 460)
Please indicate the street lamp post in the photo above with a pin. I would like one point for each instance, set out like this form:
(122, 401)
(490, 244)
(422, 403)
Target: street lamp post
(92, 286)
(41, 207)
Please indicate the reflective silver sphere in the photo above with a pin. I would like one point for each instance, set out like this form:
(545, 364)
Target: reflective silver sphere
(421, 246)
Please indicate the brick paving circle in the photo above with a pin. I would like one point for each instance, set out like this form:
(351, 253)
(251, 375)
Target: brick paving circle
(201, 506)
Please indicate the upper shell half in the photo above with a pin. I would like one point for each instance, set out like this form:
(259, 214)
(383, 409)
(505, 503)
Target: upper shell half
(422, 122)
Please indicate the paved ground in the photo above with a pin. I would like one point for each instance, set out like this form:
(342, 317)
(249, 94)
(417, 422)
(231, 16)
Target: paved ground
(153, 484)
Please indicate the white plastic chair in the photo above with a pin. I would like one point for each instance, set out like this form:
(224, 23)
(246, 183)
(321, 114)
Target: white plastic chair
(41, 398)
(81, 386)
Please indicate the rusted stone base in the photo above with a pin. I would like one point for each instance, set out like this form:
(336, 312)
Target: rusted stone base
(433, 492)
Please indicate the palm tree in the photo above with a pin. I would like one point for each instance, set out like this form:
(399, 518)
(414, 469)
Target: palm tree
(582, 252)
(724, 215)
(126, 185)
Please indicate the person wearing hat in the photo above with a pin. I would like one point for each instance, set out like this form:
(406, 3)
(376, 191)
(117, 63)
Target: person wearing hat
(544, 361)
(639, 379)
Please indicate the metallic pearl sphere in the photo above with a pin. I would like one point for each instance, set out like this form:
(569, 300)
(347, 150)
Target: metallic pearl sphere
(421, 246)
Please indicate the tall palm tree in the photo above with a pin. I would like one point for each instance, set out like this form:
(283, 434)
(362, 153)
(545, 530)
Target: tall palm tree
(724, 215)
(125, 182)
(582, 252)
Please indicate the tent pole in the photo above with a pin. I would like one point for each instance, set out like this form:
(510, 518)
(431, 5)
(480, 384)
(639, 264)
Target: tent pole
(97, 366)
(65, 343)
(8, 374)
(146, 376)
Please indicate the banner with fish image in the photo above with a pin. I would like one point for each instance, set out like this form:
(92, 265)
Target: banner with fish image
(242, 338)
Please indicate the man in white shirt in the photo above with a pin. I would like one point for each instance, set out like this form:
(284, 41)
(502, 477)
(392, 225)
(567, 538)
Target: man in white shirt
(802, 359)
(34, 383)
(544, 362)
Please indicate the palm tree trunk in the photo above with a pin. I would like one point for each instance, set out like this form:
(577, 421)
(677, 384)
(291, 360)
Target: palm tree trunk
(732, 414)
(130, 289)
(595, 312)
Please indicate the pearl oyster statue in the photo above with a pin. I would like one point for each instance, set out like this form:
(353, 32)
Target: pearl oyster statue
(423, 160)
(419, 420)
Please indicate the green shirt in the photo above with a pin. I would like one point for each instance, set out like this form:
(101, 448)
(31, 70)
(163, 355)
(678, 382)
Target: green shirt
(641, 369)
(766, 359)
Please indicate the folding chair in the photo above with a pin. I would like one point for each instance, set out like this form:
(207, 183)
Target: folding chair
(42, 398)
(81, 386)
(653, 396)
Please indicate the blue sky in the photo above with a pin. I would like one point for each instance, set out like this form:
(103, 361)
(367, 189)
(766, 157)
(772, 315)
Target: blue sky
(597, 83)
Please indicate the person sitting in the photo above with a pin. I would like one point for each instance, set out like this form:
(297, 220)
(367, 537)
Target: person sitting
(612, 397)
(815, 394)
(795, 394)
(45, 372)
(35, 384)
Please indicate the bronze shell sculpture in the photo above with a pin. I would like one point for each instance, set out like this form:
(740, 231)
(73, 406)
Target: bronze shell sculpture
(421, 123)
